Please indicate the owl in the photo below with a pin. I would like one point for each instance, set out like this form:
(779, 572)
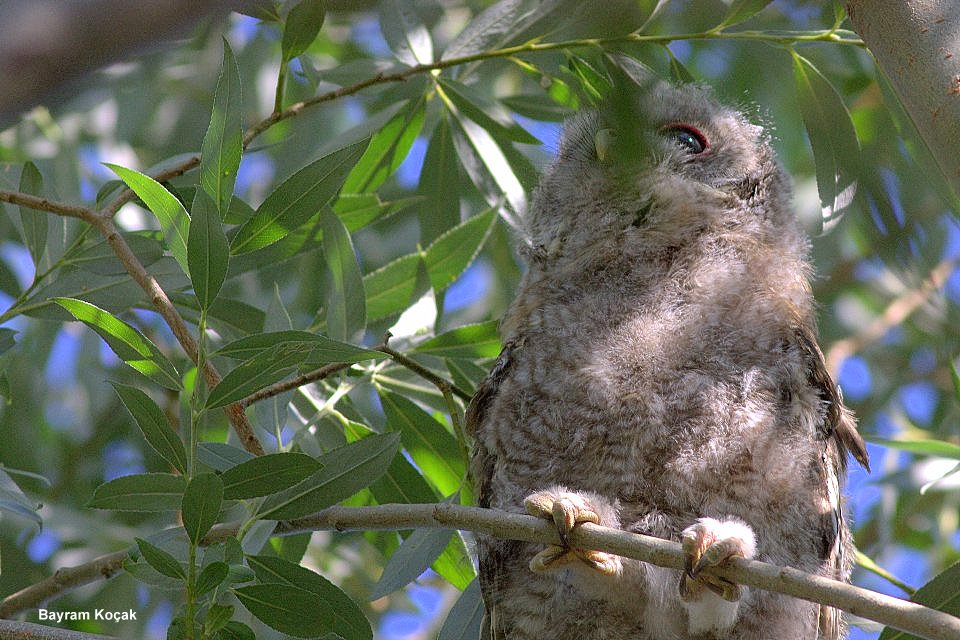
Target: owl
(661, 375)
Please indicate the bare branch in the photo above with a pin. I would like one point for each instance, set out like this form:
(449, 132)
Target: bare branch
(325, 371)
(44, 204)
(894, 612)
(896, 312)
(10, 630)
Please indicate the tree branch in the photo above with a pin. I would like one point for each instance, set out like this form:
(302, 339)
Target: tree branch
(44, 204)
(894, 612)
(896, 313)
(11, 630)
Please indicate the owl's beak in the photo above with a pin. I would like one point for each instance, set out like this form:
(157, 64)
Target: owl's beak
(603, 141)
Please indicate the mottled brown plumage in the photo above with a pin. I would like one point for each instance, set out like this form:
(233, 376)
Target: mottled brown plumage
(661, 375)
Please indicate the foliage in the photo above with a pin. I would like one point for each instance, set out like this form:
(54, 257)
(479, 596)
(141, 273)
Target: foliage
(372, 188)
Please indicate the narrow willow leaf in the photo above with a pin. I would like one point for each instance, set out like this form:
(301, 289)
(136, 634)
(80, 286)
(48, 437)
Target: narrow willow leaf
(465, 617)
(301, 27)
(140, 492)
(346, 471)
(535, 107)
(346, 301)
(414, 556)
(488, 113)
(741, 11)
(7, 340)
(469, 341)
(173, 218)
(439, 183)
(940, 594)
(254, 374)
(154, 425)
(357, 210)
(387, 149)
(405, 33)
(208, 252)
(297, 199)
(220, 457)
(450, 254)
(101, 259)
(348, 621)
(391, 288)
(212, 577)
(223, 143)
(434, 449)
(488, 30)
(201, 505)
(836, 150)
(13, 500)
(287, 609)
(938, 448)
(321, 348)
(160, 560)
(130, 345)
(267, 474)
(35, 223)
(593, 81)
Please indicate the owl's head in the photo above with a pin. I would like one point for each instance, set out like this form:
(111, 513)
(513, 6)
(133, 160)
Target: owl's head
(668, 160)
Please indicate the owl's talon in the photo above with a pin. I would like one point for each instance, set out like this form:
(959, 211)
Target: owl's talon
(567, 511)
(711, 543)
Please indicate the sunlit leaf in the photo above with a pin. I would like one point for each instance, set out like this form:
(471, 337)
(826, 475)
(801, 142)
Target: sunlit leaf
(450, 254)
(130, 345)
(321, 348)
(297, 199)
(154, 425)
(938, 448)
(488, 113)
(387, 149)
(173, 218)
(405, 33)
(469, 341)
(222, 143)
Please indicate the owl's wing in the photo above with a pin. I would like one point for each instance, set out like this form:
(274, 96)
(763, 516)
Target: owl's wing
(482, 465)
(840, 435)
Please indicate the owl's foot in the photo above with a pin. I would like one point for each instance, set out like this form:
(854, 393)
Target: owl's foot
(567, 510)
(711, 543)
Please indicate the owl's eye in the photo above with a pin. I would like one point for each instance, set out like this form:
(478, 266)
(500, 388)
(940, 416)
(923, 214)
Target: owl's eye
(687, 137)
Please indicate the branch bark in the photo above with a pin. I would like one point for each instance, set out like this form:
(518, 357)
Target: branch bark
(915, 44)
(900, 614)
(10, 630)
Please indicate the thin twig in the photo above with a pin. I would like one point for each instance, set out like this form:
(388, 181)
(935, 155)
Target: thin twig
(896, 312)
(894, 612)
(45, 204)
(423, 372)
(325, 371)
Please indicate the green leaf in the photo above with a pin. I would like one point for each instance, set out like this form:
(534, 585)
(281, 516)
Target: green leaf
(258, 372)
(405, 33)
(160, 560)
(593, 81)
(346, 470)
(235, 630)
(297, 199)
(390, 289)
(741, 11)
(287, 609)
(348, 621)
(140, 492)
(173, 218)
(955, 378)
(469, 341)
(346, 302)
(267, 474)
(450, 254)
(220, 457)
(154, 425)
(35, 223)
(130, 345)
(488, 30)
(357, 210)
(488, 113)
(101, 259)
(535, 107)
(414, 556)
(924, 447)
(211, 577)
(465, 617)
(440, 184)
(387, 149)
(301, 27)
(434, 449)
(219, 615)
(321, 348)
(208, 252)
(201, 505)
(940, 594)
(836, 150)
(223, 142)
(14, 501)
